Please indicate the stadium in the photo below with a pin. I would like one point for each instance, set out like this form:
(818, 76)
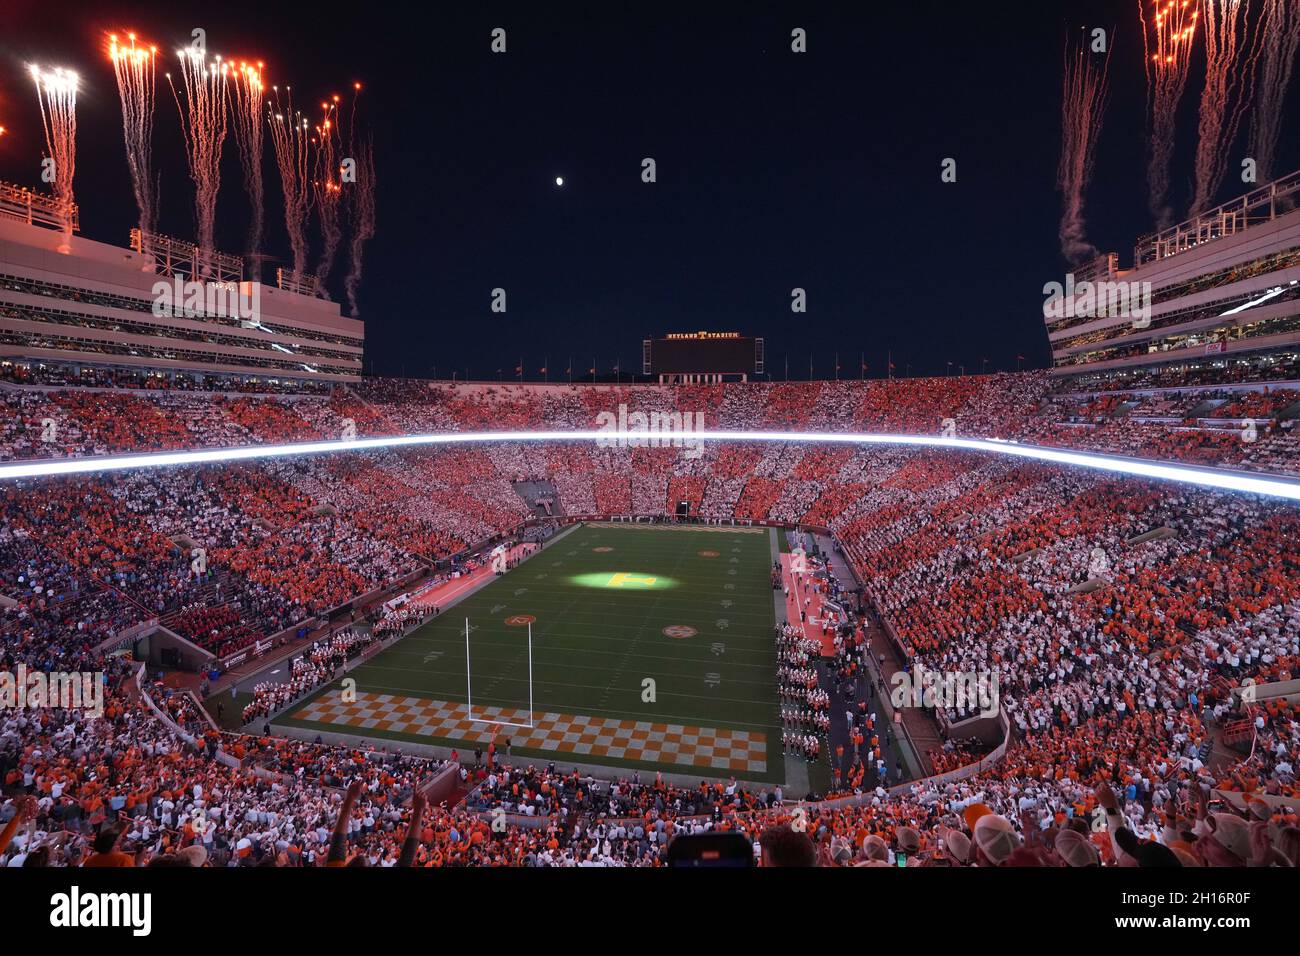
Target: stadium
(263, 605)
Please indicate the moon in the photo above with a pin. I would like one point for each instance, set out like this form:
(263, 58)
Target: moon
(559, 180)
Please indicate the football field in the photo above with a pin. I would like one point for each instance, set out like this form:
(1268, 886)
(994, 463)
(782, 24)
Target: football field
(652, 647)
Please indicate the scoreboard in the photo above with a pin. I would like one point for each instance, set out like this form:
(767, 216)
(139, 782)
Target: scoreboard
(703, 353)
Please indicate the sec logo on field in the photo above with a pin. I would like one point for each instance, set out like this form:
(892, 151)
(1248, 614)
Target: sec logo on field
(680, 631)
(519, 620)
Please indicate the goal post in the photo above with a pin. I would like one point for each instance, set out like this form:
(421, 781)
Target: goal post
(469, 686)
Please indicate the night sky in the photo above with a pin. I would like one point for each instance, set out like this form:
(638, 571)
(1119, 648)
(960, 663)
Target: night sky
(775, 169)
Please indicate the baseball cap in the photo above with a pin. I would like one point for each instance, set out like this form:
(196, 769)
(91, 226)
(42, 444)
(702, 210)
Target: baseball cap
(1076, 849)
(995, 837)
(909, 840)
(957, 845)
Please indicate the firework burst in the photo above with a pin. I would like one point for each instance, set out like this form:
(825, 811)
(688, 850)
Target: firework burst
(326, 188)
(1167, 42)
(1280, 26)
(247, 87)
(1231, 52)
(57, 92)
(203, 120)
(133, 65)
(1083, 106)
(290, 138)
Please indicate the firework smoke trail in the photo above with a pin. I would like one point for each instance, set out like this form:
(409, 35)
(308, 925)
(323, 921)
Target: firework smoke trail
(57, 92)
(290, 133)
(326, 189)
(134, 68)
(203, 119)
(360, 196)
(1229, 78)
(1167, 45)
(361, 213)
(1280, 26)
(1083, 105)
(246, 91)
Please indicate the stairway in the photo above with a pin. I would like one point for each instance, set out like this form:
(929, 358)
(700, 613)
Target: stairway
(535, 493)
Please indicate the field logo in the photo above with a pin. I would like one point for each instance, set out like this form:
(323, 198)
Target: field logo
(1098, 300)
(624, 429)
(708, 554)
(680, 631)
(520, 620)
(962, 690)
(625, 580)
(21, 689)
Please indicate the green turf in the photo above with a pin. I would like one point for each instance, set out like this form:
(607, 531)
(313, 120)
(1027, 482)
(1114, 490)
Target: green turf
(598, 635)
(231, 710)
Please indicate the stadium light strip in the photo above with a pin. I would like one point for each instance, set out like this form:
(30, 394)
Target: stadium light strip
(1133, 467)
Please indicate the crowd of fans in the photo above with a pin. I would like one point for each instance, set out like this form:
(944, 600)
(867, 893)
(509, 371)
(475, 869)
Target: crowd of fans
(1115, 615)
(315, 667)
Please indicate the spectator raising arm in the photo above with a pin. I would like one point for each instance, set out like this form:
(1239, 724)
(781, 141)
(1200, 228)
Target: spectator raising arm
(412, 842)
(26, 811)
(339, 841)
